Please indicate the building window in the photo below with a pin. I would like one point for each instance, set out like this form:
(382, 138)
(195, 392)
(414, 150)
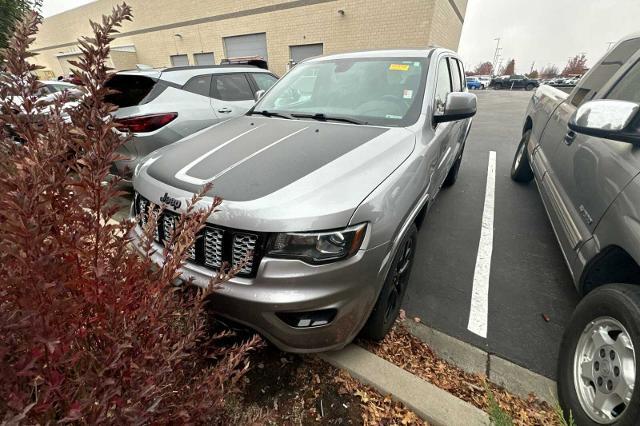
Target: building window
(179, 60)
(205, 58)
(304, 51)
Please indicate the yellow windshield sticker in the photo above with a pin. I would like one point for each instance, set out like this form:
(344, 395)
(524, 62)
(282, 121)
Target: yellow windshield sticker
(399, 67)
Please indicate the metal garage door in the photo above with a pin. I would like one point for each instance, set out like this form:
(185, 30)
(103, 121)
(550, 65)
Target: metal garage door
(246, 45)
(179, 60)
(304, 51)
(204, 58)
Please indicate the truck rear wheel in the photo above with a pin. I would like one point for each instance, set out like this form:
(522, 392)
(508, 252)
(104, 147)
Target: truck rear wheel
(529, 87)
(389, 301)
(599, 358)
(521, 168)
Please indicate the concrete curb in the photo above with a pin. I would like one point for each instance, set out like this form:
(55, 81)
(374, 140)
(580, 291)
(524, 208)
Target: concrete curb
(431, 403)
(517, 380)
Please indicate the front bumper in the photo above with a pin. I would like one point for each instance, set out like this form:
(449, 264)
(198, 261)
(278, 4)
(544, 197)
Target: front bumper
(350, 287)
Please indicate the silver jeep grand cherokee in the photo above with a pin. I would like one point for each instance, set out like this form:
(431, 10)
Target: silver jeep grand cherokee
(325, 183)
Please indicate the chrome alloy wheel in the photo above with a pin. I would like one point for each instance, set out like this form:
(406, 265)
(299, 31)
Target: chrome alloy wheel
(604, 369)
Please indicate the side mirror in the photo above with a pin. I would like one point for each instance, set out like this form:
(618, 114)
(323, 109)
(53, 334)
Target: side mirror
(259, 94)
(606, 118)
(458, 106)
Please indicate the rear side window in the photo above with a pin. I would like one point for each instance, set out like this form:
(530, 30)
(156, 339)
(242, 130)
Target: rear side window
(231, 87)
(131, 89)
(200, 85)
(628, 88)
(443, 86)
(456, 83)
(589, 86)
(264, 81)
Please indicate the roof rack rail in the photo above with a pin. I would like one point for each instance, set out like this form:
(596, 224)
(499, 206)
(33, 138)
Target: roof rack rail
(198, 67)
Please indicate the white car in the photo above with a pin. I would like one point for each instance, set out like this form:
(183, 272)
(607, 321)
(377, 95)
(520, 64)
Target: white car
(160, 107)
(485, 80)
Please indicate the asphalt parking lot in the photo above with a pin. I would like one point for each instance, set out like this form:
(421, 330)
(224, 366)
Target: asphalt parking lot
(528, 282)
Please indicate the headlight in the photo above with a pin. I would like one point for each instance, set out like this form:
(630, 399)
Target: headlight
(318, 247)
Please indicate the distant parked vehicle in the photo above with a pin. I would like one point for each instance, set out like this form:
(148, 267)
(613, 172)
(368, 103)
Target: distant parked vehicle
(473, 83)
(162, 106)
(256, 61)
(485, 80)
(515, 81)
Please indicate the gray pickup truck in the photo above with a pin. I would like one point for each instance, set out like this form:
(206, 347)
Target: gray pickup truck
(583, 150)
(325, 182)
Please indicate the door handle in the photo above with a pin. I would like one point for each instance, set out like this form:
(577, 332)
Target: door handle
(224, 110)
(570, 137)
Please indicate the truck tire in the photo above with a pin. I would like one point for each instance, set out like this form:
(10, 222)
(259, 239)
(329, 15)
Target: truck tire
(389, 301)
(521, 168)
(497, 86)
(600, 358)
(529, 87)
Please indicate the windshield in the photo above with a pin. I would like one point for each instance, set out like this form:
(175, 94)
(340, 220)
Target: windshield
(377, 91)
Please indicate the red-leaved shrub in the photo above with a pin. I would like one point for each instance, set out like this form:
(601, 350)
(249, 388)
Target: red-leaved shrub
(91, 332)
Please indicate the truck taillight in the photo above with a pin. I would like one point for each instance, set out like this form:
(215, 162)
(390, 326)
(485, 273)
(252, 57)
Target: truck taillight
(145, 123)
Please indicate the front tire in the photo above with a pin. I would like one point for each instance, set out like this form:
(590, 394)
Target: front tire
(390, 298)
(529, 87)
(599, 363)
(498, 86)
(521, 168)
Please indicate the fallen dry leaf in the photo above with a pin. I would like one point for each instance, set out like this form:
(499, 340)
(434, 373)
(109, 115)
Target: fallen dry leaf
(410, 353)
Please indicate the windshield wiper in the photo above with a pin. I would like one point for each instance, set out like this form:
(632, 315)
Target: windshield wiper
(270, 114)
(323, 117)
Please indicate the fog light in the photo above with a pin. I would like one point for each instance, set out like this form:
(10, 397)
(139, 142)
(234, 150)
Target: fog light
(308, 319)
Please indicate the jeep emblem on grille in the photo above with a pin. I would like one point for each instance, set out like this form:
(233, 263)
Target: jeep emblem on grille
(170, 201)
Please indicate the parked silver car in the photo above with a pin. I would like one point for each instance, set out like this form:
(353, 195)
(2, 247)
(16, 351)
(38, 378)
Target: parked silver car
(583, 151)
(162, 106)
(325, 183)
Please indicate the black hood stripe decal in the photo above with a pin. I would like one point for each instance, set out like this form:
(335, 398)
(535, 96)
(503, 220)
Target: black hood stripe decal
(182, 173)
(250, 157)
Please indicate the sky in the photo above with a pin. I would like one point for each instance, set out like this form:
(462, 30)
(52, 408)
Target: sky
(541, 31)
(545, 31)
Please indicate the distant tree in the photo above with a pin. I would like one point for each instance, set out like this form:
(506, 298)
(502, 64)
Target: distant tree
(534, 74)
(484, 68)
(510, 68)
(550, 71)
(10, 11)
(576, 65)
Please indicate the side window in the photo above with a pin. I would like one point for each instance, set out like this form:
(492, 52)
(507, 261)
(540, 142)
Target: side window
(200, 85)
(589, 86)
(264, 81)
(231, 87)
(455, 76)
(462, 77)
(628, 88)
(443, 86)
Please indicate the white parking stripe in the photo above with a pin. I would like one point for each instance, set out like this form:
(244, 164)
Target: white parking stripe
(480, 297)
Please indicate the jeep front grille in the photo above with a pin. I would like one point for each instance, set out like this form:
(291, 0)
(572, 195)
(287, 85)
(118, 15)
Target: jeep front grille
(243, 246)
(213, 242)
(214, 245)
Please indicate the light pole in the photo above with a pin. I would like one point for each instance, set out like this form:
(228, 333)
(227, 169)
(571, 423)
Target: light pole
(496, 54)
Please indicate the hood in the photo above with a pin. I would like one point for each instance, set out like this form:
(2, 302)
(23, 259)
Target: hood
(277, 174)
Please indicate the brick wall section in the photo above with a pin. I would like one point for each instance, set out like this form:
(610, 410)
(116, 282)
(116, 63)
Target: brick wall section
(366, 24)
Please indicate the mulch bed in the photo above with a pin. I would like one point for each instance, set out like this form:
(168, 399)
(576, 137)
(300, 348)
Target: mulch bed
(286, 389)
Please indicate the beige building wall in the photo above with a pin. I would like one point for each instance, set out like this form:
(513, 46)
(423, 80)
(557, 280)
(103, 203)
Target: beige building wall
(365, 24)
